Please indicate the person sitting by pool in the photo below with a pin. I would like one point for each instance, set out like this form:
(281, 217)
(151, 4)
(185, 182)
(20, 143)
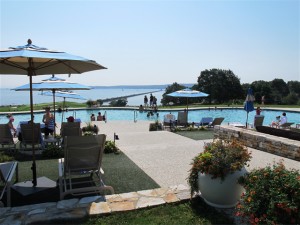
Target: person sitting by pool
(48, 119)
(70, 119)
(279, 120)
(258, 110)
(141, 108)
(93, 118)
(11, 119)
(99, 117)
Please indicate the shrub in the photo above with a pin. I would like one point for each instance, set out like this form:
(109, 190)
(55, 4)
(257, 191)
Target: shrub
(5, 158)
(53, 152)
(218, 159)
(272, 196)
(110, 147)
(119, 102)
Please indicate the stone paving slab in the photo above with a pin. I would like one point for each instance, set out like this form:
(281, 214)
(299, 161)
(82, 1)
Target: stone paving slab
(79, 209)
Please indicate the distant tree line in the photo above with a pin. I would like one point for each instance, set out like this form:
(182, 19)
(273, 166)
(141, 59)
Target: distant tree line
(224, 87)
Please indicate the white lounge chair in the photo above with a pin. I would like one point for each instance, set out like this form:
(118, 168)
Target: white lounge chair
(83, 159)
(169, 119)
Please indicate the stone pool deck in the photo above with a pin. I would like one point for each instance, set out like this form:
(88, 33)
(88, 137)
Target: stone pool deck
(164, 156)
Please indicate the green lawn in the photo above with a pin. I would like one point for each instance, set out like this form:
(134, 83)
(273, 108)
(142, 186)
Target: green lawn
(185, 213)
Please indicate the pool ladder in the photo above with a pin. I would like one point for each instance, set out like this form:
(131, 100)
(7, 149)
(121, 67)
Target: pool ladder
(135, 115)
(105, 115)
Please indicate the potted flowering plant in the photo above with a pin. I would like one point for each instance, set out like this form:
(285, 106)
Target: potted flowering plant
(215, 172)
(272, 196)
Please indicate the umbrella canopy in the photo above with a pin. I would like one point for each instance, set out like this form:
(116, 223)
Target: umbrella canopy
(248, 105)
(64, 94)
(32, 60)
(188, 93)
(52, 84)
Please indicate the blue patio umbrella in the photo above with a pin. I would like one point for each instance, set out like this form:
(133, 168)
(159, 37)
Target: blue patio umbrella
(32, 60)
(53, 84)
(64, 95)
(248, 105)
(188, 93)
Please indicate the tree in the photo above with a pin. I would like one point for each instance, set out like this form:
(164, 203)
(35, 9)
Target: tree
(167, 99)
(221, 85)
(294, 86)
(261, 88)
(279, 90)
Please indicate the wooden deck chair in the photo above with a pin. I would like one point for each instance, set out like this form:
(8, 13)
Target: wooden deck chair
(7, 171)
(82, 160)
(285, 126)
(217, 121)
(26, 132)
(258, 120)
(182, 119)
(6, 137)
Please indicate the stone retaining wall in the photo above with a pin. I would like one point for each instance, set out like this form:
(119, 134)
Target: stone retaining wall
(265, 142)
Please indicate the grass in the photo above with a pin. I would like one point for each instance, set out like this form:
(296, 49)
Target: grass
(120, 172)
(195, 211)
(19, 108)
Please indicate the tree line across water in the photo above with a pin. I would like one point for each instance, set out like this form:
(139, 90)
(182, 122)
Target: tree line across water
(223, 86)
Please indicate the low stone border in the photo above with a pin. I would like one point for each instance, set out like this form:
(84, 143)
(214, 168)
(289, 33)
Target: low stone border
(77, 210)
(265, 142)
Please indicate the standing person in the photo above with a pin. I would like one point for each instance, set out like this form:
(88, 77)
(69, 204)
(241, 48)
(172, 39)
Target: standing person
(145, 101)
(151, 100)
(11, 119)
(263, 100)
(154, 101)
(48, 120)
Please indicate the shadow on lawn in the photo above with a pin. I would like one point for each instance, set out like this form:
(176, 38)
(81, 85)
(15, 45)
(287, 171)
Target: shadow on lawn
(120, 172)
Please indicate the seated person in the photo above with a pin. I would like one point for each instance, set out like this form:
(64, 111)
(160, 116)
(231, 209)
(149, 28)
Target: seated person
(93, 118)
(99, 117)
(280, 120)
(13, 130)
(48, 119)
(70, 119)
(141, 108)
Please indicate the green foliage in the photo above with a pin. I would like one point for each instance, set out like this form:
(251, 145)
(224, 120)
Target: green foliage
(218, 159)
(53, 152)
(119, 102)
(90, 129)
(272, 196)
(100, 102)
(155, 126)
(5, 158)
(91, 103)
(221, 85)
(110, 147)
(291, 99)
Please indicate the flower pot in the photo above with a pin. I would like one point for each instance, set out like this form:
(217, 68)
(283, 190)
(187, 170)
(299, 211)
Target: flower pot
(218, 193)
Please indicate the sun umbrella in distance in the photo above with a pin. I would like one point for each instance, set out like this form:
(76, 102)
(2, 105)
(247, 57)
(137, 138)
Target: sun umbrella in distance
(64, 95)
(248, 105)
(31, 60)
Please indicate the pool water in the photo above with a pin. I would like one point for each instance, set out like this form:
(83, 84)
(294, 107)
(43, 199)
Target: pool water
(230, 115)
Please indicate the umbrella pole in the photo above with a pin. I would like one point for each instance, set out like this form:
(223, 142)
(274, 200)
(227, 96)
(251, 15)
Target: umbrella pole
(33, 167)
(63, 109)
(53, 91)
(247, 120)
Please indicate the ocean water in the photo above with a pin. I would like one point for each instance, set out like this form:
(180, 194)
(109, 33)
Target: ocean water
(11, 97)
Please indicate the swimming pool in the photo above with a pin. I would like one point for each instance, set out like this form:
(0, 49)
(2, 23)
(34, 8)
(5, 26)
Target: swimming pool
(194, 115)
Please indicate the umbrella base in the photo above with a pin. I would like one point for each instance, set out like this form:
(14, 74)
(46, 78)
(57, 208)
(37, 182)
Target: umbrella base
(26, 188)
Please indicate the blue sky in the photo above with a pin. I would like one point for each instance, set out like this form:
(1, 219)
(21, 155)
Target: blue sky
(160, 42)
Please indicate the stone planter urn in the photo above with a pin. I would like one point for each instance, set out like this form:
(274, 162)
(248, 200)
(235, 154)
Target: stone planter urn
(218, 193)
